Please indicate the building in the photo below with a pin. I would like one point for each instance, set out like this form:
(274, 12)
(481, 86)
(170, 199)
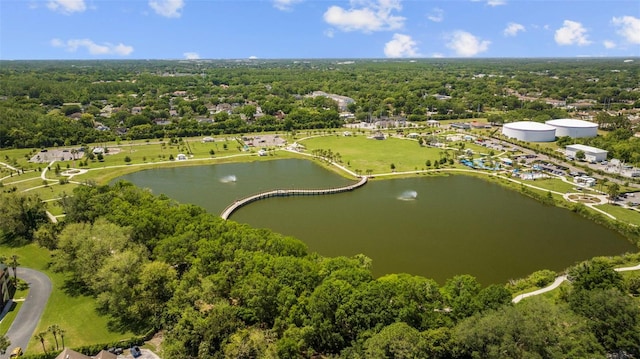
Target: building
(591, 154)
(529, 131)
(72, 354)
(4, 285)
(181, 157)
(574, 128)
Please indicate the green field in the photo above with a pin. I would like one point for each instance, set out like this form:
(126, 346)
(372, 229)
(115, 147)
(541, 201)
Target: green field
(362, 153)
(622, 214)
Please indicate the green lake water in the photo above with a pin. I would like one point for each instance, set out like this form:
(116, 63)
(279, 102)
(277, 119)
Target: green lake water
(436, 227)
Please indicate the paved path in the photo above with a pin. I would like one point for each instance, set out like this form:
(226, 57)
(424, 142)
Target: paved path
(556, 283)
(21, 331)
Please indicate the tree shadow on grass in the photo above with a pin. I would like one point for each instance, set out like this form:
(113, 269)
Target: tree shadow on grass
(123, 324)
(74, 288)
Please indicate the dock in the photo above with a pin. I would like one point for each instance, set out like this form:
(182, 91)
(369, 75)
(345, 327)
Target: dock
(289, 192)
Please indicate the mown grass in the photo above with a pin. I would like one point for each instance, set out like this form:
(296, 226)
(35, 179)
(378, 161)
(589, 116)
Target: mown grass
(622, 214)
(362, 153)
(76, 314)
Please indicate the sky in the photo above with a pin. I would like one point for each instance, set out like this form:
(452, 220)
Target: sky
(277, 29)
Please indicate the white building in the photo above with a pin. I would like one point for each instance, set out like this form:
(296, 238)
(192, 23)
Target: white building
(591, 154)
(574, 128)
(529, 131)
(181, 157)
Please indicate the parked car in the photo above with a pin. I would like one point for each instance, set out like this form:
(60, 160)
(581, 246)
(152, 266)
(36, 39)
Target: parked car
(135, 352)
(16, 352)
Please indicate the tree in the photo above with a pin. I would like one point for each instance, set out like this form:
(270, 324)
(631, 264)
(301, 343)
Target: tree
(613, 317)
(127, 159)
(54, 330)
(4, 344)
(14, 266)
(393, 167)
(21, 215)
(397, 340)
(580, 155)
(532, 329)
(61, 333)
(613, 190)
(41, 337)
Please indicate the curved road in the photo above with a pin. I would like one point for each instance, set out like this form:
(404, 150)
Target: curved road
(21, 331)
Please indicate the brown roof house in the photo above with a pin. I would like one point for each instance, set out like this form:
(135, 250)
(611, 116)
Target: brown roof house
(72, 354)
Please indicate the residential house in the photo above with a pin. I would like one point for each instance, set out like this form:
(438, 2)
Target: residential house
(72, 354)
(4, 285)
(136, 110)
(161, 121)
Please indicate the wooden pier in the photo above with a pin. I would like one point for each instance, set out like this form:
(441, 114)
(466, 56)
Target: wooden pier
(289, 192)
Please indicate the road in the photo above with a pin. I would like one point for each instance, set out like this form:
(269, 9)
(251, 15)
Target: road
(21, 331)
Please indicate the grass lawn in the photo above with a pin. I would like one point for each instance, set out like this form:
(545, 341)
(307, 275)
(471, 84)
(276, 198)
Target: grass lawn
(622, 214)
(19, 295)
(552, 184)
(362, 153)
(75, 314)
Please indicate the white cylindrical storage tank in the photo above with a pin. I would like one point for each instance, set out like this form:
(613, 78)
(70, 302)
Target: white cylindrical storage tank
(574, 128)
(529, 131)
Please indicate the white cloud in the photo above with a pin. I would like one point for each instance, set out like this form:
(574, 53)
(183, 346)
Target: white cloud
(513, 28)
(496, 2)
(493, 2)
(366, 16)
(285, 5)
(609, 44)
(329, 33)
(571, 33)
(466, 44)
(106, 48)
(436, 15)
(401, 46)
(628, 27)
(437, 55)
(252, 57)
(191, 56)
(167, 8)
(67, 6)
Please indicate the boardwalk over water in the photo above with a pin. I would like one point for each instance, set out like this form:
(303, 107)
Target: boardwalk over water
(289, 192)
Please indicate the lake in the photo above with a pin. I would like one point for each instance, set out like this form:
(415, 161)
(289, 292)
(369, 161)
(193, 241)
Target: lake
(434, 226)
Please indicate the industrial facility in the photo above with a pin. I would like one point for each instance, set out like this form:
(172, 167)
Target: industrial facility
(574, 128)
(529, 131)
(591, 154)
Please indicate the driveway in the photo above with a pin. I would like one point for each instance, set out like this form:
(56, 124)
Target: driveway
(21, 331)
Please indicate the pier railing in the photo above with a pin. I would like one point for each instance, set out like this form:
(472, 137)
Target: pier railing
(289, 192)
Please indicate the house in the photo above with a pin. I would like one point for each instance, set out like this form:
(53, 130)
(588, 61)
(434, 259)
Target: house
(4, 285)
(72, 354)
(208, 139)
(461, 125)
(105, 355)
(181, 157)
(161, 121)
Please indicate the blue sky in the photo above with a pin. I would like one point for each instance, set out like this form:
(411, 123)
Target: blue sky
(240, 29)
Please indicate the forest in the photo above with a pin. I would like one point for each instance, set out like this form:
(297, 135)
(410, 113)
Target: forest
(219, 289)
(63, 103)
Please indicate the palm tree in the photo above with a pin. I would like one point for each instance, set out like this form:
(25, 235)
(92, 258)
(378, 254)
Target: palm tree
(61, 332)
(40, 336)
(54, 329)
(14, 266)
